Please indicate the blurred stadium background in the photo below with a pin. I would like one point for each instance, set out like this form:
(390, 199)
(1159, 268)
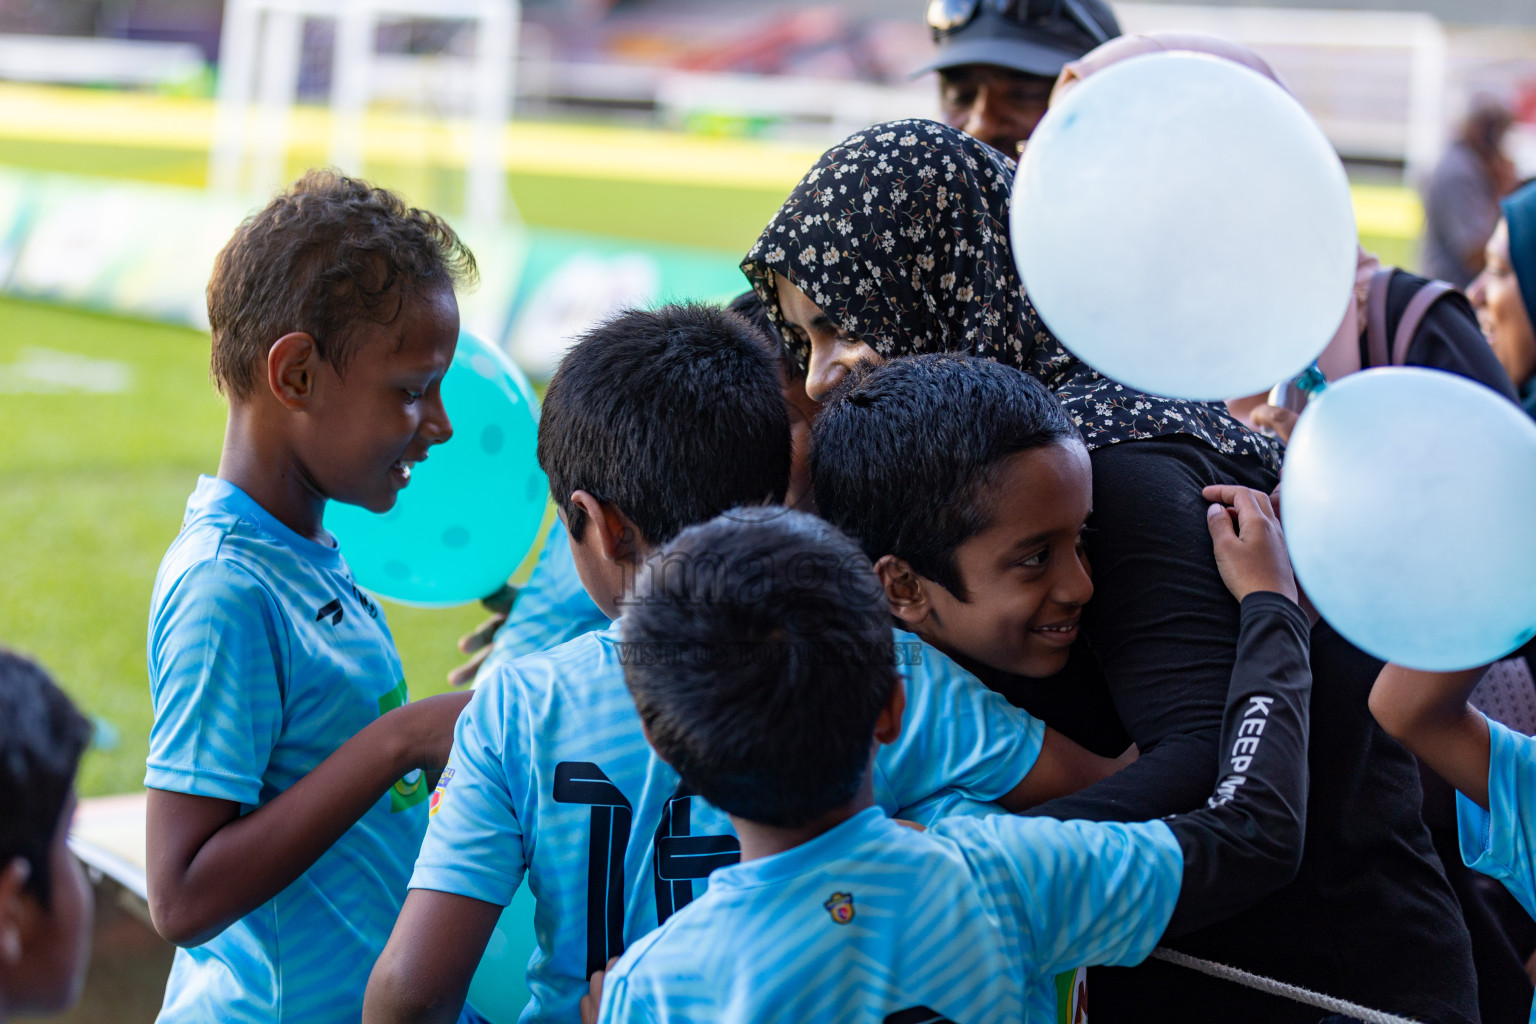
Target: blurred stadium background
(594, 153)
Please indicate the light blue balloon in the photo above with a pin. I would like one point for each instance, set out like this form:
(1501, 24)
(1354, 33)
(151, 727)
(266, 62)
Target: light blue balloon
(472, 510)
(499, 989)
(1185, 228)
(1407, 499)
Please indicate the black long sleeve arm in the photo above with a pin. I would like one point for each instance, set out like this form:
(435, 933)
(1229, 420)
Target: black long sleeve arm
(1247, 841)
(1162, 624)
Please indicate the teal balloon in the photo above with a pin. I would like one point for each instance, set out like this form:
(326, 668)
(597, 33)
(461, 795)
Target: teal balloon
(1407, 499)
(472, 510)
(1185, 228)
(499, 989)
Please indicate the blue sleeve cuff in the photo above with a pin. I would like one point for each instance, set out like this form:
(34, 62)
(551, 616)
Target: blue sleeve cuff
(209, 782)
(1487, 838)
(464, 880)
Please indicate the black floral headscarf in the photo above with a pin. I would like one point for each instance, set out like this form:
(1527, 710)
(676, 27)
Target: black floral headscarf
(900, 235)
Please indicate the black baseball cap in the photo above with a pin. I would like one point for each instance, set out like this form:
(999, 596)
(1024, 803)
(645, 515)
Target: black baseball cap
(1036, 37)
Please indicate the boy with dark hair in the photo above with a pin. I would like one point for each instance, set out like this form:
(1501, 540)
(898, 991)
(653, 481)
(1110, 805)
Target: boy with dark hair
(45, 904)
(655, 421)
(784, 680)
(553, 608)
(286, 794)
(968, 487)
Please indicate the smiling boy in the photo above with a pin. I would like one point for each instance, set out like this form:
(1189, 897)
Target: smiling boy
(980, 550)
(286, 797)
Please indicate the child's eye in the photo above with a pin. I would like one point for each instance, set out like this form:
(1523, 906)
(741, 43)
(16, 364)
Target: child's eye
(412, 397)
(1036, 560)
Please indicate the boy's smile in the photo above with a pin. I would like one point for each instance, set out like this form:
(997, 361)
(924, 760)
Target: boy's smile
(1025, 574)
(369, 425)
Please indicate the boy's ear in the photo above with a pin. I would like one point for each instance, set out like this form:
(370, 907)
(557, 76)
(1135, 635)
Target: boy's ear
(13, 912)
(291, 364)
(888, 725)
(615, 533)
(904, 590)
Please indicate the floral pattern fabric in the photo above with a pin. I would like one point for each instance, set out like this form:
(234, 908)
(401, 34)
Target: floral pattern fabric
(900, 235)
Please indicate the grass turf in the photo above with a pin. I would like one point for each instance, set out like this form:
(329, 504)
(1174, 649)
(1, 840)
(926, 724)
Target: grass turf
(726, 218)
(94, 488)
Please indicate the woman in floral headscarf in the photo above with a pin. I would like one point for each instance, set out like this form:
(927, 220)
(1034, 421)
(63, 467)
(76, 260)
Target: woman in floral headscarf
(900, 237)
(897, 242)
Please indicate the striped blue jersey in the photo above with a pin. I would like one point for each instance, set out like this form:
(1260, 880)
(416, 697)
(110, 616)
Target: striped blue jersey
(551, 777)
(1049, 998)
(263, 659)
(873, 922)
(550, 609)
(1501, 841)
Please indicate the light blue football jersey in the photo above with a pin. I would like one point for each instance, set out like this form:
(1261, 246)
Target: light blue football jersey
(873, 922)
(552, 778)
(551, 608)
(1501, 841)
(1048, 999)
(263, 659)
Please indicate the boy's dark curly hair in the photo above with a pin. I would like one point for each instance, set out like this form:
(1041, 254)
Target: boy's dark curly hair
(328, 252)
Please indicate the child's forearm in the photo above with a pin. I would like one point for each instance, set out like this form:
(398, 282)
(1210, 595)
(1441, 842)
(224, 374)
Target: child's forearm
(1063, 768)
(1427, 712)
(209, 865)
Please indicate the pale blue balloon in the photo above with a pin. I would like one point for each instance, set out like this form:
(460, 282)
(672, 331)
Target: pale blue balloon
(1407, 499)
(1185, 228)
(472, 510)
(499, 989)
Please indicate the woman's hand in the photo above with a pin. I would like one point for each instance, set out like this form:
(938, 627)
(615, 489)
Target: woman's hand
(1250, 546)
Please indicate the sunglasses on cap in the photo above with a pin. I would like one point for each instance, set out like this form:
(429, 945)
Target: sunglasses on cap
(948, 16)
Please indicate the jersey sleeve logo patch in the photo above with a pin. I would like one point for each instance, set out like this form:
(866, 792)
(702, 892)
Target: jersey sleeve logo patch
(840, 906)
(437, 794)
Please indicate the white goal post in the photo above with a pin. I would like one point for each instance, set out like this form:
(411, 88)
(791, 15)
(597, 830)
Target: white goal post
(259, 62)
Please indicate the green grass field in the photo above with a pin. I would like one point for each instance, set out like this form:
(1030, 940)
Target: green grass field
(94, 487)
(724, 218)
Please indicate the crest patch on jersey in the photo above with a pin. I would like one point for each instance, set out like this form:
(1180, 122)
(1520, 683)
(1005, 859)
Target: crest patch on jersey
(840, 906)
(437, 794)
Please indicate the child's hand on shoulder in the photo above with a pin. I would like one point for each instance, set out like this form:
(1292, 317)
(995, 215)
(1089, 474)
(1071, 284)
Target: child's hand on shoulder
(1250, 547)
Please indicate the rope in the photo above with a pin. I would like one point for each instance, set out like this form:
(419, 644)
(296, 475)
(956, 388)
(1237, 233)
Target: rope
(1278, 988)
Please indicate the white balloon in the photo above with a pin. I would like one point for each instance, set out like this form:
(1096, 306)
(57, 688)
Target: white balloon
(1406, 498)
(1185, 228)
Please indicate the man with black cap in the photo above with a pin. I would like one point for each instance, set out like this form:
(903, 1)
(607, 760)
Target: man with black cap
(998, 59)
